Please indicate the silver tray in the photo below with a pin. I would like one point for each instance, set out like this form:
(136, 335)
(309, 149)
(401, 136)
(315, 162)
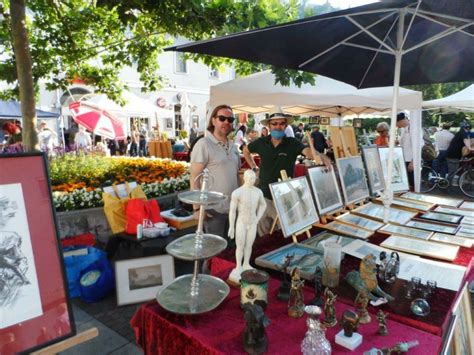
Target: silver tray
(190, 247)
(176, 297)
(199, 197)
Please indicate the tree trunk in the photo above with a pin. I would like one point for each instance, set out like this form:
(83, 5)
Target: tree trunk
(25, 74)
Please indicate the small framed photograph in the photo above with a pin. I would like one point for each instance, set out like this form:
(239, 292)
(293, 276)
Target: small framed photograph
(406, 231)
(463, 340)
(376, 211)
(452, 239)
(169, 123)
(360, 221)
(437, 200)
(373, 167)
(302, 256)
(353, 181)
(294, 205)
(325, 189)
(348, 229)
(357, 123)
(139, 280)
(317, 241)
(456, 211)
(399, 170)
(434, 227)
(421, 247)
(324, 121)
(441, 217)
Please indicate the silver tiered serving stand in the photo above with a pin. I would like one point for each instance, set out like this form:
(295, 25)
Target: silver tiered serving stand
(196, 293)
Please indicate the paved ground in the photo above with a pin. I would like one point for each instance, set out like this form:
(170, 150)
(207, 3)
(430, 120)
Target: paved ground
(115, 334)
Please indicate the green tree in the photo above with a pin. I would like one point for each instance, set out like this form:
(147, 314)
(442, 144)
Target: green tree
(94, 39)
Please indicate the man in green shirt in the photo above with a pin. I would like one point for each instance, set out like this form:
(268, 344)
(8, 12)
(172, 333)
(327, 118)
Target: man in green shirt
(277, 152)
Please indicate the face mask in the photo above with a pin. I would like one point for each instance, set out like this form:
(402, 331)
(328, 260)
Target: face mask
(277, 134)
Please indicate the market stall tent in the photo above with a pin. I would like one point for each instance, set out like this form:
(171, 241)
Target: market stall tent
(12, 110)
(462, 101)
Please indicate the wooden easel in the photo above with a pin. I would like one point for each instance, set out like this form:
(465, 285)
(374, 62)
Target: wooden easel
(343, 141)
(68, 343)
(330, 217)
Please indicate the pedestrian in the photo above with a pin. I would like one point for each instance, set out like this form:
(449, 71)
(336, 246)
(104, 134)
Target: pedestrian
(134, 140)
(382, 139)
(219, 155)
(47, 139)
(442, 140)
(240, 140)
(406, 144)
(143, 141)
(193, 133)
(13, 131)
(319, 141)
(299, 131)
(264, 132)
(82, 138)
(462, 139)
(277, 152)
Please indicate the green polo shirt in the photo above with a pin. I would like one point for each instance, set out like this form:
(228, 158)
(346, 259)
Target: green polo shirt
(273, 159)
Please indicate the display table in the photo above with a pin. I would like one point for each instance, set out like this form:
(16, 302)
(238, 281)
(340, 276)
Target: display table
(220, 331)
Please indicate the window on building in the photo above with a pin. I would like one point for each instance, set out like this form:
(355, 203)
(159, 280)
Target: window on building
(181, 66)
(213, 73)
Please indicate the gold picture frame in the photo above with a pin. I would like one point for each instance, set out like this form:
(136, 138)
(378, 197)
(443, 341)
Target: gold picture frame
(421, 247)
(377, 211)
(348, 229)
(359, 221)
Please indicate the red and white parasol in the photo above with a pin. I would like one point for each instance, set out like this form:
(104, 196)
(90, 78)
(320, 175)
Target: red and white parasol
(98, 121)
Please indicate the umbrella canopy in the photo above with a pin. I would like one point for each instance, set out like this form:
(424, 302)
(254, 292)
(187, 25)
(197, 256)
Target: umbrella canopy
(12, 109)
(462, 101)
(258, 93)
(358, 45)
(97, 121)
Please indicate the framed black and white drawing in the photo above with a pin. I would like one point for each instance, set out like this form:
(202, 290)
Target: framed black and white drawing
(294, 205)
(325, 189)
(373, 167)
(353, 181)
(399, 170)
(35, 309)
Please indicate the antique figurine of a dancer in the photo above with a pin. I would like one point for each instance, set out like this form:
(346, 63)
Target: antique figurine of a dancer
(248, 203)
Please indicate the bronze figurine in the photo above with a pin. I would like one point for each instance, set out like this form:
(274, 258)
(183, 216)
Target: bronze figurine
(330, 309)
(361, 303)
(350, 323)
(254, 337)
(296, 302)
(382, 324)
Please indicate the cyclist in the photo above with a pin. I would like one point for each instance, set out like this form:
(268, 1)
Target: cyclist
(455, 149)
(442, 140)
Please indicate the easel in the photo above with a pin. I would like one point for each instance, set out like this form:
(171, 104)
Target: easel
(69, 342)
(284, 177)
(343, 141)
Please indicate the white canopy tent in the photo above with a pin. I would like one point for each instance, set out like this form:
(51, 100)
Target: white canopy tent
(462, 101)
(257, 93)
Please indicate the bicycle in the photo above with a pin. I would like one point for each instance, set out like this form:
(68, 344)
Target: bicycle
(430, 178)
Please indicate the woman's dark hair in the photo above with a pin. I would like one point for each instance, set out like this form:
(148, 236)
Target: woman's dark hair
(243, 128)
(210, 126)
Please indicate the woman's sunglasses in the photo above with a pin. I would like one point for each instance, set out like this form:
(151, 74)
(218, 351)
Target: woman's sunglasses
(229, 119)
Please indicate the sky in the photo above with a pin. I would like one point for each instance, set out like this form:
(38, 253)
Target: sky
(342, 4)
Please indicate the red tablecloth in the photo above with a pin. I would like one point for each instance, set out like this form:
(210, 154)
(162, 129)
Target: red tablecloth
(220, 331)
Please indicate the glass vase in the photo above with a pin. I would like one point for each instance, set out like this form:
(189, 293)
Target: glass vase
(315, 342)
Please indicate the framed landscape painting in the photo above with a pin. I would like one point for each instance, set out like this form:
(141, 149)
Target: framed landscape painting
(294, 205)
(399, 171)
(421, 247)
(325, 189)
(360, 221)
(434, 227)
(406, 231)
(353, 181)
(373, 167)
(35, 308)
(348, 229)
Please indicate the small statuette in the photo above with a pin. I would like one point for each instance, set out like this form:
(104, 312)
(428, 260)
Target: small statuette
(382, 323)
(296, 302)
(284, 289)
(348, 337)
(350, 323)
(315, 341)
(329, 309)
(254, 337)
(399, 348)
(318, 288)
(361, 302)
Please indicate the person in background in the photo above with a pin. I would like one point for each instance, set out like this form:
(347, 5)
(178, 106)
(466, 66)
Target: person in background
(382, 139)
(220, 156)
(251, 135)
(240, 136)
(289, 132)
(277, 152)
(82, 139)
(299, 131)
(15, 139)
(143, 141)
(134, 140)
(47, 139)
(462, 139)
(442, 140)
(406, 144)
(318, 140)
(193, 133)
(264, 132)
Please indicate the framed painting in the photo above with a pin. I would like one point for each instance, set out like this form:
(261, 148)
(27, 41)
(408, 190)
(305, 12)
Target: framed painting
(325, 189)
(353, 181)
(301, 256)
(466, 230)
(35, 309)
(139, 280)
(437, 200)
(467, 205)
(441, 217)
(434, 227)
(348, 229)
(468, 221)
(317, 241)
(406, 231)
(376, 211)
(373, 167)
(294, 205)
(360, 221)
(324, 121)
(452, 239)
(456, 211)
(421, 247)
(463, 339)
(399, 171)
(411, 204)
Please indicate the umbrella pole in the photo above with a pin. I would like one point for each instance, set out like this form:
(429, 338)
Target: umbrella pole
(388, 193)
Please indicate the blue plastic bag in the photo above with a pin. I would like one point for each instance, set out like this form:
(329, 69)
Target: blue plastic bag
(96, 281)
